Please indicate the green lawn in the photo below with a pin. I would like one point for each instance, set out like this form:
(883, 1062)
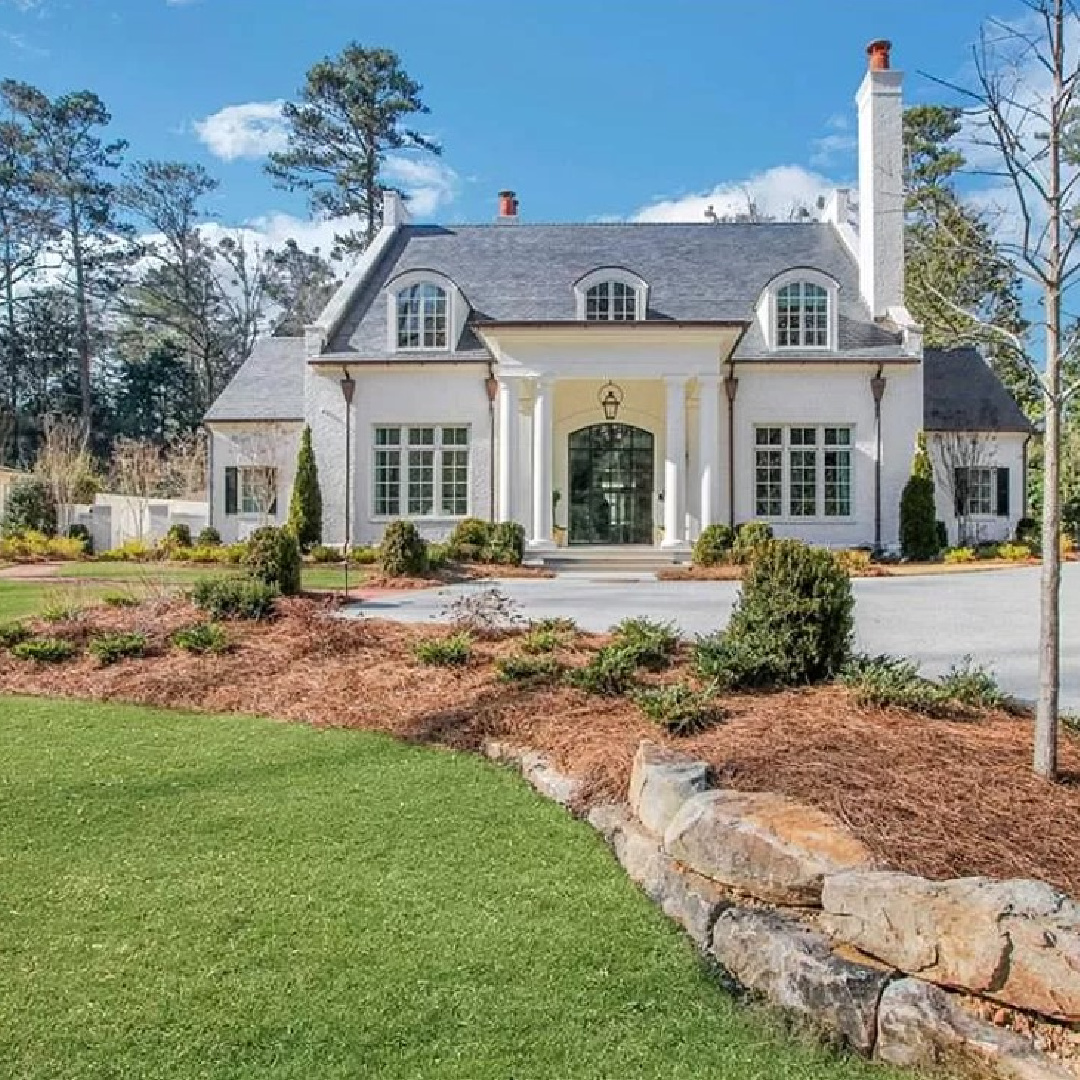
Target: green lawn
(190, 896)
(314, 577)
(22, 599)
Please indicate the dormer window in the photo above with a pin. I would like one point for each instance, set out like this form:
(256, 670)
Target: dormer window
(611, 301)
(422, 317)
(802, 316)
(611, 294)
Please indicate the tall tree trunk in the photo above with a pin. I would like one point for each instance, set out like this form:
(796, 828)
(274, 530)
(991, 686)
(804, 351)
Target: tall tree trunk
(83, 319)
(13, 351)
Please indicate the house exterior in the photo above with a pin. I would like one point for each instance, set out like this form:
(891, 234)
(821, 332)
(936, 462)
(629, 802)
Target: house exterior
(621, 384)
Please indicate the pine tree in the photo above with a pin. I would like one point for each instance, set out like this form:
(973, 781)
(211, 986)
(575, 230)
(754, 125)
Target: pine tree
(918, 516)
(305, 506)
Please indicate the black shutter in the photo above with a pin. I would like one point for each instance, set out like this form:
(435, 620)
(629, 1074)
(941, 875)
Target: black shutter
(1002, 492)
(232, 477)
(272, 480)
(960, 491)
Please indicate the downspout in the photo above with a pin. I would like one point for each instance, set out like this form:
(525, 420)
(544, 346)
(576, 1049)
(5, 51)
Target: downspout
(210, 478)
(1024, 465)
(731, 388)
(877, 388)
(491, 387)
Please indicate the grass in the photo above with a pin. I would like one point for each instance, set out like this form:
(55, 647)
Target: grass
(313, 577)
(25, 599)
(237, 898)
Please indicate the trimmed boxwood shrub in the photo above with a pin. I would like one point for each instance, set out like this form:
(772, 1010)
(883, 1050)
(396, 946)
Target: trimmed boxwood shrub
(506, 544)
(273, 557)
(208, 537)
(82, 534)
(714, 545)
(470, 540)
(178, 536)
(794, 615)
(1029, 533)
(402, 552)
(30, 507)
(751, 537)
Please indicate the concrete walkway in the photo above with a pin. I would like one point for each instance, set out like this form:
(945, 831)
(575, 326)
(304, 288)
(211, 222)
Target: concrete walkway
(935, 619)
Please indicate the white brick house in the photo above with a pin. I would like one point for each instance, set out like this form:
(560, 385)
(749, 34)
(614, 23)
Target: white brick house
(625, 383)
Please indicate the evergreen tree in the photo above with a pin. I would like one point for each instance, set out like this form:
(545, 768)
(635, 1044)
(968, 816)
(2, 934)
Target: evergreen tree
(918, 516)
(305, 506)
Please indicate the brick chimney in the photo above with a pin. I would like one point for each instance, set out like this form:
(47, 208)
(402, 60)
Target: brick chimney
(881, 183)
(508, 207)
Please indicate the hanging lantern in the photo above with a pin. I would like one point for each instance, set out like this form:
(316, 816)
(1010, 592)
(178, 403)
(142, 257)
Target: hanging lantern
(610, 397)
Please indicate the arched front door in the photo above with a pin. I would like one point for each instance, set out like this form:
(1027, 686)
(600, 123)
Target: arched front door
(611, 485)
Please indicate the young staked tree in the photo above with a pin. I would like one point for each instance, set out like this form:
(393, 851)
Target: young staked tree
(1024, 110)
(305, 505)
(353, 109)
(74, 164)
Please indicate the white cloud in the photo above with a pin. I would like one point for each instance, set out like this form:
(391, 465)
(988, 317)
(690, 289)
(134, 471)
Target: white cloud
(429, 184)
(776, 192)
(251, 130)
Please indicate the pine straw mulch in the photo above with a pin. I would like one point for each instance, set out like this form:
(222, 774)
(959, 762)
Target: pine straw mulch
(941, 798)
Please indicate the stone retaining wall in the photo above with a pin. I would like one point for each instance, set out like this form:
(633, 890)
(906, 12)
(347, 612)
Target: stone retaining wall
(793, 907)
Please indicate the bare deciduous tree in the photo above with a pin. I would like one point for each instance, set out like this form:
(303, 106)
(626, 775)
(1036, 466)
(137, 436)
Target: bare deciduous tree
(137, 473)
(65, 463)
(1024, 116)
(958, 456)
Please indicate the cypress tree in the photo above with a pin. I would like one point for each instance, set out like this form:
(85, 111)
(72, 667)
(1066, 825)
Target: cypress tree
(305, 506)
(918, 515)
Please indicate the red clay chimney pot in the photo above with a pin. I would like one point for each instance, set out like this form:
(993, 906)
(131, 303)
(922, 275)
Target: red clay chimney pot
(508, 204)
(877, 53)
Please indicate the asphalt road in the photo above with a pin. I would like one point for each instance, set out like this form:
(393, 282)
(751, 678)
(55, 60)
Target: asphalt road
(990, 615)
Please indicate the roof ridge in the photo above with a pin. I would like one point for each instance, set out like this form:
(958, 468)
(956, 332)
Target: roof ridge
(509, 227)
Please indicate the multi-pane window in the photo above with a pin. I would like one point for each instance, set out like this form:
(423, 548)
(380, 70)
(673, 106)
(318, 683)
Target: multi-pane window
(611, 301)
(421, 471)
(421, 317)
(802, 472)
(802, 315)
(768, 472)
(251, 489)
(974, 491)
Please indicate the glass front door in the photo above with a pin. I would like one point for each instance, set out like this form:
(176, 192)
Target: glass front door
(611, 485)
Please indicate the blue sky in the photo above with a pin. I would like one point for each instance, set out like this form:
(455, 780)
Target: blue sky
(588, 108)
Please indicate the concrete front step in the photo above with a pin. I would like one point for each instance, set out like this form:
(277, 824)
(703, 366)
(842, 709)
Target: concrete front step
(621, 558)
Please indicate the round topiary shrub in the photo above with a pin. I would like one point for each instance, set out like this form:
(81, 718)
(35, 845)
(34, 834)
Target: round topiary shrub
(402, 552)
(470, 540)
(714, 545)
(506, 545)
(795, 613)
(209, 537)
(751, 537)
(273, 557)
(178, 536)
(82, 534)
(30, 507)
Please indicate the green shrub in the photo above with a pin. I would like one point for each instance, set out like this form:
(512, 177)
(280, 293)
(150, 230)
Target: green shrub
(364, 556)
(506, 544)
(128, 551)
(1029, 533)
(234, 598)
(609, 673)
(438, 556)
(13, 633)
(120, 600)
(208, 537)
(919, 538)
(57, 611)
(969, 684)
(35, 546)
(884, 681)
(110, 648)
(1014, 552)
(403, 552)
(741, 664)
(30, 507)
(273, 557)
(44, 650)
(178, 536)
(680, 708)
(320, 553)
(528, 669)
(452, 651)
(794, 615)
(713, 546)
(854, 560)
(202, 638)
(960, 555)
(470, 540)
(547, 635)
(987, 550)
(652, 644)
(82, 534)
(305, 503)
(751, 537)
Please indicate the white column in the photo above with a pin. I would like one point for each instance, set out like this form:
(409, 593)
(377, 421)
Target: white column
(709, 448)
(508, 447)
(541, 470)
(675, 462)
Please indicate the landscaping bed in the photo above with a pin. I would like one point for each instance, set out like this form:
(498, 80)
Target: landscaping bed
(936, 796)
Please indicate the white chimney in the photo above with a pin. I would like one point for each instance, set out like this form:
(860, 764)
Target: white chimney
(394, 211)
(881, 183)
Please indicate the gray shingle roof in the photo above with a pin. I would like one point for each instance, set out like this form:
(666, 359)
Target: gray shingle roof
(525, 273)
(962, 393)
(268, 386)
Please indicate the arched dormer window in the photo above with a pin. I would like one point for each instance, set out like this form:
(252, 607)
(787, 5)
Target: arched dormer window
(611, 295)
(798, 310)
(802, 316)
(422, 317)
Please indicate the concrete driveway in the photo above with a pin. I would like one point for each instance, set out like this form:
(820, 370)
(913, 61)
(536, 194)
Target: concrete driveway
(991, 615)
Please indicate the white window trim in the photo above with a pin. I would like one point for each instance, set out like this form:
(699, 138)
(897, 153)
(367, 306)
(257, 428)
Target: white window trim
(769, 317)
(457, 310)
(785, 517)
(623, 277)
(403, 468)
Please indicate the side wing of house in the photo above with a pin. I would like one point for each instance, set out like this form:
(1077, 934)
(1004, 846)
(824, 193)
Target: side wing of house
(978, 438)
